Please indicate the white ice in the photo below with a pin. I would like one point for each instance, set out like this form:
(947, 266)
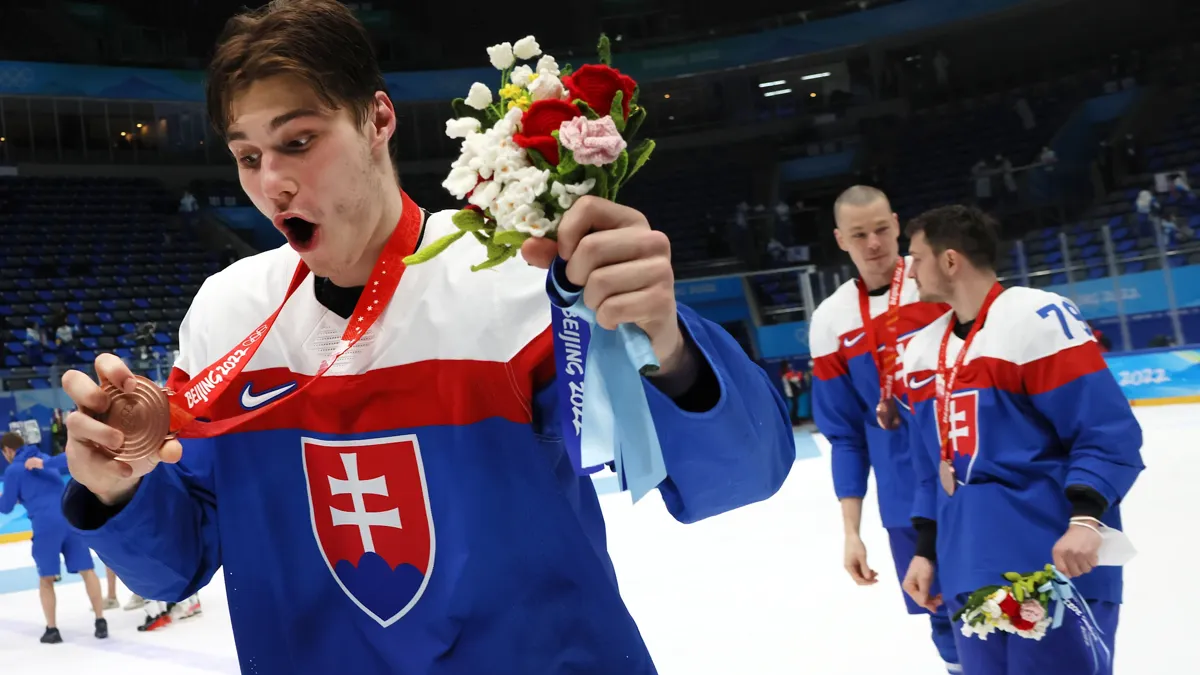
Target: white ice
(759, 591)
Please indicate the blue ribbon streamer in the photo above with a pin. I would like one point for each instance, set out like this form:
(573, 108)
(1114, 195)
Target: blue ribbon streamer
(605, 412)
(1064, 595)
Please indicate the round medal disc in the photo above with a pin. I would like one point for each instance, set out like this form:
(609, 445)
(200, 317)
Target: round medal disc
(949, 483)
(887, 415)
(143, 416)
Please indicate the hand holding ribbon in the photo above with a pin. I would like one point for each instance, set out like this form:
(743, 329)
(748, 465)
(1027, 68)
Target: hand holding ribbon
(613, 292)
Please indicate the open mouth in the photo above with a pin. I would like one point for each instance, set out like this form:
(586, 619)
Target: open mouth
(300, 233)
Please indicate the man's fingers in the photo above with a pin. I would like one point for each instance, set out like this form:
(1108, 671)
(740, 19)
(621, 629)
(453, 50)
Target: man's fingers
(84, 391)
(171, 452)
(82, 428)
(593, 213)
(110, 368)
(608, 248)
(539, 251)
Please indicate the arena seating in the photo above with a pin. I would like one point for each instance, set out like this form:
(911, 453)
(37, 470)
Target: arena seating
(103, 251)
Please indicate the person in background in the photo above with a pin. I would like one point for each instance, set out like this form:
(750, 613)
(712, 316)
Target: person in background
(36, 482)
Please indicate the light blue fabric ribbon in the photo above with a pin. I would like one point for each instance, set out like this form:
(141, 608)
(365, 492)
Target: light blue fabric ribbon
(616, 415)
(1064, 595)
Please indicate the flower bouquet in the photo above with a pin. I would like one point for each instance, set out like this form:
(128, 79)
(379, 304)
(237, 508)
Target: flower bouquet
(1030, 606)
(548, 136)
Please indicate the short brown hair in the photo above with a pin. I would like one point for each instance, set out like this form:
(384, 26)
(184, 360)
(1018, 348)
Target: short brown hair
(320, 42)
(965, 229)
(12, 441)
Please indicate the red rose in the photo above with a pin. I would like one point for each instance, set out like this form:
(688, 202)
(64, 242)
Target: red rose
(1012, 609)
(597, 86)
(542, 118)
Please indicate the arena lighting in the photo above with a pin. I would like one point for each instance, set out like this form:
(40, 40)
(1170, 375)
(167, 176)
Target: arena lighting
(772, 83)
(777, 92)
(816, 76)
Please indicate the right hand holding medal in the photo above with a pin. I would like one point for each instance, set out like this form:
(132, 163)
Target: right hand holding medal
(91, 444)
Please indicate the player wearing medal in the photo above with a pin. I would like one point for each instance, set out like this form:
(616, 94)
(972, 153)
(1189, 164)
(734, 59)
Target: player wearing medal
(853, 405)
(1026, 448)
(414, 510)
(35, 480)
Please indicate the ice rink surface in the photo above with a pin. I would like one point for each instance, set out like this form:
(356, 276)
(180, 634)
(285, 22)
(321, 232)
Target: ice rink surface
(759, 591)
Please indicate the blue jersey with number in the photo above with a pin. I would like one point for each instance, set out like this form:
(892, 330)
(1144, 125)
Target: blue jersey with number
(1035, 409)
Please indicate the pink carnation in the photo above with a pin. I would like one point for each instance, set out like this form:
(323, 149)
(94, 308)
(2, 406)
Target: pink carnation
(1032, 611)
(593, 142)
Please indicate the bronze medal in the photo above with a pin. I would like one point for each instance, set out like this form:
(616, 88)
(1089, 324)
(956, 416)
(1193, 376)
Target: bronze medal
(887, 415)
(143, 416)
(949, 482)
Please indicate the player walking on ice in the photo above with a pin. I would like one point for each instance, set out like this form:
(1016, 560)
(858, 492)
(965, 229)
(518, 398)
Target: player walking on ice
(857, 337)
(35, 480)
(1025, 447)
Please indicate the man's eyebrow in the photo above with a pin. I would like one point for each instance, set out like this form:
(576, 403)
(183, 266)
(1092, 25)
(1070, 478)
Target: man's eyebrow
(278, 121)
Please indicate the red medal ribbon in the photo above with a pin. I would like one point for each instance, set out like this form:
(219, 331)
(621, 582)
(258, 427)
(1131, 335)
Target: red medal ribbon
(947, 379)
(196, 398)
(887, 379)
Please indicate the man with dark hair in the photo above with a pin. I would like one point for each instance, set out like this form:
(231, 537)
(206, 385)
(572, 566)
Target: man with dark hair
(35, 481)
(415, 510)
(857, 336)
(1025, 447)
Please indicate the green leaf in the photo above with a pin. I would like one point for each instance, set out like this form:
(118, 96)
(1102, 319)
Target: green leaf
(619, 167)
(566, 161)
(469, 220)
(496, 257)
(637, 91)
(461, 109)
(482, 237)
(538, 160)
(617, 111)
(601, 176)
(604, 50)
(511, 238)
(430, 252)
(639, 156)
(586, 109)
(636, 117)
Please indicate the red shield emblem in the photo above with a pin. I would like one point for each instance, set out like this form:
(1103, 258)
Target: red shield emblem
(372, 521)
(964, 423)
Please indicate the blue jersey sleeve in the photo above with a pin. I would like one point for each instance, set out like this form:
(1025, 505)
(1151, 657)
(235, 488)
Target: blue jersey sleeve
(738, 452)
(56, 463)
(12, 488)
(164, 543)
(840, 415)
(924, 457)
(1073, 389)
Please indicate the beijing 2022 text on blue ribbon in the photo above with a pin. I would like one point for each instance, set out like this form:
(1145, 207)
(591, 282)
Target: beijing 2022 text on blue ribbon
(604, 413)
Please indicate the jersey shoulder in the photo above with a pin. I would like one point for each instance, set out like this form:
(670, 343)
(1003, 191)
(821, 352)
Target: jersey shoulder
(922, 349)
(834, 316)
(1033, 324)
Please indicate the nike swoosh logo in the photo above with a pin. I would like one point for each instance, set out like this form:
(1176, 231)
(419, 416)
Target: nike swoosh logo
(850, 342)
(917, 384)
(250, 400)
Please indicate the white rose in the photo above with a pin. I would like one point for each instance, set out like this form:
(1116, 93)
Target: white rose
(462, 127)
(545, 86)
(460, 181)
(501, 55)
(485, 194)
(547, 65)
(480, 97)
(567, 193)
(526, 48)
(521, 75)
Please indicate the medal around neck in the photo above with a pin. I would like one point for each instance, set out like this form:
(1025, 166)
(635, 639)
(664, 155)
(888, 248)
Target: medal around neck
(887, 415)
(143, 416)
(949, 480)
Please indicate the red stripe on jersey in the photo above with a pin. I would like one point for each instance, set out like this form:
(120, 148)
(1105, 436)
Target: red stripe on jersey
(1051, 372)
(1036, 377)
(829, 367)
(913, 317)
(429, 393)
